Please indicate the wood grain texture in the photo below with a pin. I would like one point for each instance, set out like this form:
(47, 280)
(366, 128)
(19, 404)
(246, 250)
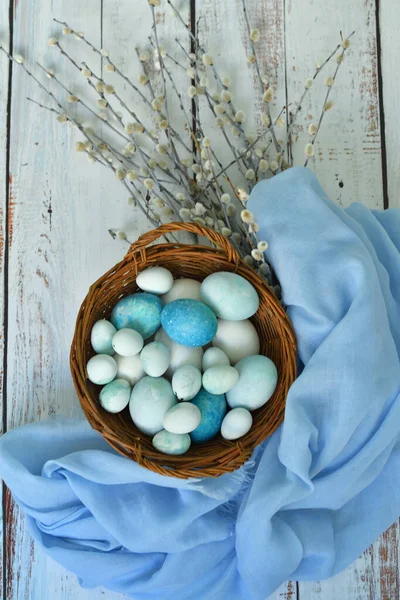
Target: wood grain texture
(389, 21)
(4, 79)
(348, 151)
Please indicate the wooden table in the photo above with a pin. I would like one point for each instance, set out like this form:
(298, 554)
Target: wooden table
(56, 208)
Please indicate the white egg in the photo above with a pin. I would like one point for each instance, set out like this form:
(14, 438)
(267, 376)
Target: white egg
(127, 342)
(183, 288)
(155, 358)
(101, 337)
(214, 357)
(182, 418)
(186, 382)
(129, 368)
(237, 422)
(101, 369)
(180, 355)
(220, 379)
(155, 280)
(115, 396)
(151, 398)
(237, 339)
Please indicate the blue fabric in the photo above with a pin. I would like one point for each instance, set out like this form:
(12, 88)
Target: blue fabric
(314, 495)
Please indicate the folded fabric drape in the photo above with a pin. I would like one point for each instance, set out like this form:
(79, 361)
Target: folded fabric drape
(313, 496)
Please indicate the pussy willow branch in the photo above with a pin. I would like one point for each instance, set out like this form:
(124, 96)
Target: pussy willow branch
(329, 90)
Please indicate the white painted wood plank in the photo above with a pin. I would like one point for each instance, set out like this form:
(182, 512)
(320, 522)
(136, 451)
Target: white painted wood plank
(348, 151)
(60, 244)
(389, 18)
(4, 75)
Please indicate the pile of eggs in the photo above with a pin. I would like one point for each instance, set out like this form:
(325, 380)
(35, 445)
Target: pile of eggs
(184, 356)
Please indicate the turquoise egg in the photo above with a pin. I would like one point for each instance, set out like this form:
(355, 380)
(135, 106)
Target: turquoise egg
(257, 382)
(141, 312)
(115, 396)
(230, 296)
(189, 322)
(213, 409)
(171, 443)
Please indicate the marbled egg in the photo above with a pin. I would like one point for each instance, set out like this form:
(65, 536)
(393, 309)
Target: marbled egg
(183, 288)
(156, 280)
(129, 368)
(101, 337)
(151, 398)
(213, 409)
(115, 396)
(189, 322)
(220, 379)
(179, 355)
(237, 422)
(182, 418)
(101, 369)
(127, 342)
(237, 339)
(141, 312)
(230, 296)
(257, 382)
(214, 357)
(155, 359)
(186, 382)
(171, 443)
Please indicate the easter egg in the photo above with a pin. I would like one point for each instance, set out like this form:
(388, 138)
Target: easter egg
(237, 339)
(220, 379)
(186, 382)
(156, 280)
(101, 337)
(213, 409)
(129, 368)
(151, 398)
(179, 355)
(213, 357)
(237, 422)
(115, 396)
(127, 342)
(189, 322)
(182, 418)
(171, 443)
(101, 369)
(257, 382)
(155, 358)
(230, 296)
(141, 312)
(183, 288)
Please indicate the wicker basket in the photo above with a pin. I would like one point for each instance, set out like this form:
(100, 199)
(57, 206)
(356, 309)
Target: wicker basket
(217, 456)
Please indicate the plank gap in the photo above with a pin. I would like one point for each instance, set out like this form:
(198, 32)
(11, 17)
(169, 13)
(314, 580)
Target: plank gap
(5, 562)
(381, 107)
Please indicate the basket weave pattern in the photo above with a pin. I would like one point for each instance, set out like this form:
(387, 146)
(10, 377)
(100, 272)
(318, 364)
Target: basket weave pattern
(277, 339)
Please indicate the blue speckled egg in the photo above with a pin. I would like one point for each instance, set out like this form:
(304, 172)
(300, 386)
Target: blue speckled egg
(213, 409)
(189, 322)
(141, 312)
(230, 296)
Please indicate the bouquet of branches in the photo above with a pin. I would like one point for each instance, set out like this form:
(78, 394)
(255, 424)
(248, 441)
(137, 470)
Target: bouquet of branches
(173, 171)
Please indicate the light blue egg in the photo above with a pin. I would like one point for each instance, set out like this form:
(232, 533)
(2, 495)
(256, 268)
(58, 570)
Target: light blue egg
(171, 443)
(101, 337)
(213, 409)
(141, 312)
(230, 296)
(257, 382)
(189, 322)
(115, 396)
(151, 398)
